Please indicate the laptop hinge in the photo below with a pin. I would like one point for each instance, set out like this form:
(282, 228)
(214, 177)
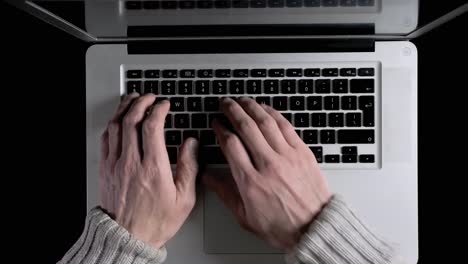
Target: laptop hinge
(205, 46)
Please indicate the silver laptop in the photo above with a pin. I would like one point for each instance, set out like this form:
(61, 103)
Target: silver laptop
(344, 72)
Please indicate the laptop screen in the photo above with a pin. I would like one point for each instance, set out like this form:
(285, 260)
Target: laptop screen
(123, 20)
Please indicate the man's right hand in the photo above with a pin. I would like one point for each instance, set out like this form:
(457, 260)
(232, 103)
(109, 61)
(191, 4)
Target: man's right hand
(276, 188)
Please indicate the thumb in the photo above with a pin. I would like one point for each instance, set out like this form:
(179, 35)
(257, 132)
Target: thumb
(187, 168)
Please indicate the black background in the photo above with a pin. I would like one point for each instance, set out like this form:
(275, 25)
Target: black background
(43, 104)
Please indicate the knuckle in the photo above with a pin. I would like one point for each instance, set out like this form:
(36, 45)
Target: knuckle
(130, 120)
(245, 125)
(151, 125)
(113, 127)
(266, 122)
(231, 140)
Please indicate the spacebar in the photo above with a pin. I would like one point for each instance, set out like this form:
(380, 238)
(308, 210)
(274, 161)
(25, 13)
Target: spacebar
(212, 155)
(363, 136)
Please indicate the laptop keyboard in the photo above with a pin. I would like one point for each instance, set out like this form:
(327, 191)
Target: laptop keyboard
(332, 108)
(224, 4)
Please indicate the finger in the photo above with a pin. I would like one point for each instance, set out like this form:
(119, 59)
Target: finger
(114, 128)
(187, 170)
(285, 127)
(247, 129)
(234, 151)
(131, 121)
(154, 146)
(266, 123)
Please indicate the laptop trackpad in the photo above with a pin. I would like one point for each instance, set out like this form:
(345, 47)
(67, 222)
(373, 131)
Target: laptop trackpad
(223, 235)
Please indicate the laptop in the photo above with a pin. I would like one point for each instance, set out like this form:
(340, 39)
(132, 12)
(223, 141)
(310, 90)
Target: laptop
(343, 72)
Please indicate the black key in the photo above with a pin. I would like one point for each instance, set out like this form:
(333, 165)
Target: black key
(271, 86)
(348, 2)
(263, 100)
(353, 119)
(168, 87)
(288, 116)
(169, 73)
(199, 121)
(310, 136)
(340, 86)
(168, 121)
(362, 85)
(187, 74)
(327, 136)
(160, 99)
(332, 158)
(346, 136)
(330, 2)
(294, 72)
(349, 158)
(280, 103)
(190, 133)
(181, 121)
(173, 137)
(275, 3)
(222, 4)
(349, 102)
(202, 87)
(331, 102)
(318, 153)
(366, 104)
(207, 137)
(349, 150)
(219, 87)
(168, 4)
(186, 4)
(223, 73)
(312, 3)
(301, 120)
(204, 4)
(293, 3)
(133, 86)
(151, 87)
(151, 74)
(172, 154)
(222, 119)
(212, 155)
(194, 104)
(258, 3)
(314, 103)
(205, 73)
(254, 86)
(312, 72)
(297, 103)
(366, 72)
(366, 158)
(276, 72)
(240, 3)
(335, 119)
(319, 119)
(306, 86)
(258, 72)
(151, 5)
(366, 2)
(211, 104)
(348, 72)
(236, 87)
(177, 104)
(133, 5)
(134, 74)
(330, 72)
(288, 86)
(240, 73)
(322, 86)
(185, 87)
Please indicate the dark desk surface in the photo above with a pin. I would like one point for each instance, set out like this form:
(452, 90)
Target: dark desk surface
(45, 98)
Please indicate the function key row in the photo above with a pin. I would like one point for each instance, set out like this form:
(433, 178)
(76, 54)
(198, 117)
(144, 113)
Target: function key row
(244, 73)
(223, 4)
